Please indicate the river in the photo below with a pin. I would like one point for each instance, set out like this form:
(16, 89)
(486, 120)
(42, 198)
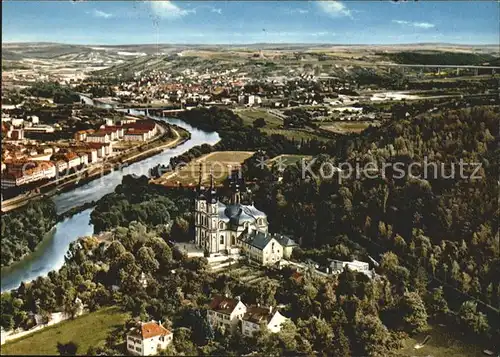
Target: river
(49, 255)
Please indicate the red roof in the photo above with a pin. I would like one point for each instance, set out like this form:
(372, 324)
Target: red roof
(136, 132)
(150, 329)
(223, 304)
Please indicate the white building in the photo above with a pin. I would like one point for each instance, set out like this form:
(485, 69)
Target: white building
(217, 226)
(256, 317)
(229, 229)
(224, 312)
(98, 138)
(266, 248)
(147, 338)
(338, 266)
(39, 129)
(34, 119)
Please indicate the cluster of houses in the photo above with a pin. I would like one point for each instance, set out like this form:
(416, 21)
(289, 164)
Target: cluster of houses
(229, 314)
(141, 130)
(24, 162)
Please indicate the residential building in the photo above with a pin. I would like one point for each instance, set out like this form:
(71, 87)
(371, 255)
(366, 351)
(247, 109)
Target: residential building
(136, 135)
(147, 338)
(98, 137)
(81, 135)
(17, 134)
(265, 248)
(257, 316)
(338, 266)
(39, 129)
(225, 312)
(21, 173)
(41, 157)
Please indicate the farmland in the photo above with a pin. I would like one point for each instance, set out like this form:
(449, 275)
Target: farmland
(220, 163)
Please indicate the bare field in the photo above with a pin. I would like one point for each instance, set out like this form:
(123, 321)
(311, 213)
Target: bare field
(220, 163)
(287, 160)
(348, 127)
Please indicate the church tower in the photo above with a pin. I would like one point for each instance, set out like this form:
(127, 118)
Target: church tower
(200, 212)
(234, 185)
(212, 216)
(206, 216)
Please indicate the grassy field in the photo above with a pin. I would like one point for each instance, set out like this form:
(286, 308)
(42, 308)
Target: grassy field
(274, 125)
(288, 159)
(249, 115)
(296, 134)
(221, 162)
(441, 344)
(87, 330)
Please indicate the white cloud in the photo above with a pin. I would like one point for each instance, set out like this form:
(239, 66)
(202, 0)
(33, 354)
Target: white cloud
(297, 11)
(167, 9)
(423, 25)
(102, 14)
(216, 10)
(334, 8)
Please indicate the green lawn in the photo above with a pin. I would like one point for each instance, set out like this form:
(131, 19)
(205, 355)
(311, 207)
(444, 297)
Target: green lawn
(87, 330)
(288, 159)
(297, 134)
(441, 344)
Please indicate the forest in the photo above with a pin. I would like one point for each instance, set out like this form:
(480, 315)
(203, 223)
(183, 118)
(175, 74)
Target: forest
(53, 90)
(443, 230)
(437, 57)
(24, 228)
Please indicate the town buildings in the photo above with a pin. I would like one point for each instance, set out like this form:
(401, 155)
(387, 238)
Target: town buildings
(231, 313)
(146, 338)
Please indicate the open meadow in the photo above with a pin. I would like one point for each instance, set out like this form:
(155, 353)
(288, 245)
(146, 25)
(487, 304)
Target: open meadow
(220, 163)
(86, 331)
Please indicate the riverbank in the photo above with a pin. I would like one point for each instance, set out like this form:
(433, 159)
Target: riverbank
(180, 138)
(75, 180)
(75, 204)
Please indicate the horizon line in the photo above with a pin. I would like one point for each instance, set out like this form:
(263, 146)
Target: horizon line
(249, 44)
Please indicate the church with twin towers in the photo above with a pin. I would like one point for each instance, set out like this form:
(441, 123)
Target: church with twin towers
(234, 228)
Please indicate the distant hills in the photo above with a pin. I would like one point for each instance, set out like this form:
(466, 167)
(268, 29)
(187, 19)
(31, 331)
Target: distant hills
(16, 51)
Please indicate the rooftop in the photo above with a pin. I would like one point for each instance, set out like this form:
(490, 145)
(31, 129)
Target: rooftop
(149, 329)
(223, 304)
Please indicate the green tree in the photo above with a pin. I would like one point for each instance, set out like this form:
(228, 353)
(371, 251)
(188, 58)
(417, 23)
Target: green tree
(473, 320)
(67, 349)
(413, 313)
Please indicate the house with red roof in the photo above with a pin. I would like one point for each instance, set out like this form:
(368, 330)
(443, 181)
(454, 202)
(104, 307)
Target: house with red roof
(147, 338)
(225, 312)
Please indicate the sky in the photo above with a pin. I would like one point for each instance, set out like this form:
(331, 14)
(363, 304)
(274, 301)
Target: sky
(245, 22)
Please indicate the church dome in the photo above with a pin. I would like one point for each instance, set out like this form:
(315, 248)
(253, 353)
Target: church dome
(232, 210)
